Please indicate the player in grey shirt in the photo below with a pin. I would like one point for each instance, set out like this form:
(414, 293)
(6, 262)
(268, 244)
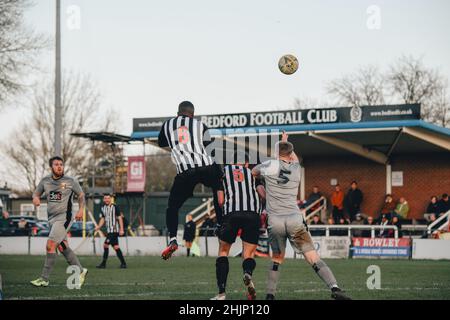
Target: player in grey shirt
(285, 221)
(59, 190)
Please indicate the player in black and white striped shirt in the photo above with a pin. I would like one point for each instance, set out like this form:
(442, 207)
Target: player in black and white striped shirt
(111, 218)
(187, 138)
(240, 197)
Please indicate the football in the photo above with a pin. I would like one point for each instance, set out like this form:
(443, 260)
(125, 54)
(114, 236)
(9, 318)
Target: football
(288, 64)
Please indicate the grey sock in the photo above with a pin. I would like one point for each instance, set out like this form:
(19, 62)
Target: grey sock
(50, 260)
(274, 275)
(324, 272)
(71, 258)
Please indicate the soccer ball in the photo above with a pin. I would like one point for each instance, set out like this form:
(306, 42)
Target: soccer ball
(288, 64)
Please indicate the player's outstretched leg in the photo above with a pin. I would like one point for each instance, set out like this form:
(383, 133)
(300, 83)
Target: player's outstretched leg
(272, 281)
(222, 268)
(102, 265)
(180, 192)
(72, 260)
(248, 265)
(324, 273)
(50, 260)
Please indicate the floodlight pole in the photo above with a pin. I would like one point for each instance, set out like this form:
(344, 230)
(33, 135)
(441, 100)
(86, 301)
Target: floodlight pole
(58, 119)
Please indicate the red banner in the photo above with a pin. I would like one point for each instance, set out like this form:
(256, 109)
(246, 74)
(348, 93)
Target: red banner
(381, 242)
(136, 174)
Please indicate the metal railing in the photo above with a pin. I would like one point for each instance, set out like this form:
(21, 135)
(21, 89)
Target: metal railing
(437, 221)
(349, 229)
(312, 205)
(203, 209)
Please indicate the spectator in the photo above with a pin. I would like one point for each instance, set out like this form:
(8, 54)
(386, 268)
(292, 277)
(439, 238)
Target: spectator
(208, 227)
(396, 222)
(353, 200)
(23, 227)
(337, 201)
(342, 232)
(433, 206)
(384, 222)
(358, 221)
(388, 205)
(443, 204)
(317, 232)
(22, 224)
(433, 218)
(402, 209)
(189, 233)
(313, 197)
(370, 221)
(331, 222)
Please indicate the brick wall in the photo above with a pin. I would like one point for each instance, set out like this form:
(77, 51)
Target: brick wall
(424, 175)
(371, 178)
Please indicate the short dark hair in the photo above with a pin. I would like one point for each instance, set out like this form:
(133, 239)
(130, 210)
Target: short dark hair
(50, 162)
(107, 195)
(285, 148)
(186, 108)
(354, 182)
(445, 195)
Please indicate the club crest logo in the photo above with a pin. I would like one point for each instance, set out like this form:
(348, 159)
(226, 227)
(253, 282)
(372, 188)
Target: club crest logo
(355, 114)
(63, 185)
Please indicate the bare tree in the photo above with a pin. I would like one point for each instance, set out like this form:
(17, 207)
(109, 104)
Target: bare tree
(160, 172)
(31, 145)
(19, 48)
(438, 110)
(411, 82)
(309, 103)
(363, 87)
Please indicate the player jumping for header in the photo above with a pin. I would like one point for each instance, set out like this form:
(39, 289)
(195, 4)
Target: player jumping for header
(59, 190)
(285, 221)
(187, 138)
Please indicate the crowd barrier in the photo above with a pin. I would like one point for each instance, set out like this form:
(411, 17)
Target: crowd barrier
(328, 247)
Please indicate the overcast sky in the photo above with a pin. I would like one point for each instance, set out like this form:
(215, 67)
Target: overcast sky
(147, 56)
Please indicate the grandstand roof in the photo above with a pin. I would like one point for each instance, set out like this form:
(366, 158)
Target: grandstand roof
(376, 140)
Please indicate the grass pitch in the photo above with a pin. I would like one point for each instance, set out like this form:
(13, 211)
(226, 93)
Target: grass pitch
(194, 278)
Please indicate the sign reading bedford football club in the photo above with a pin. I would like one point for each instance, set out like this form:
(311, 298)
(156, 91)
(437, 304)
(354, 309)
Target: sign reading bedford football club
(293, 117)
(381, 247)
(136, 174)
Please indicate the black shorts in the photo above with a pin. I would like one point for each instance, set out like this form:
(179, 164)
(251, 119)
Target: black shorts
(184, 183)
(112, 239)
(247, 221)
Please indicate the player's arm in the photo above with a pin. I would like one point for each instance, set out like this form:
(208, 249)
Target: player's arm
(100, 223)
(261, 191)
(120, 218)
(162, 139)
(121, 231)
(38, 193)
(220, 198)
(81, 200)
(256, 171)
